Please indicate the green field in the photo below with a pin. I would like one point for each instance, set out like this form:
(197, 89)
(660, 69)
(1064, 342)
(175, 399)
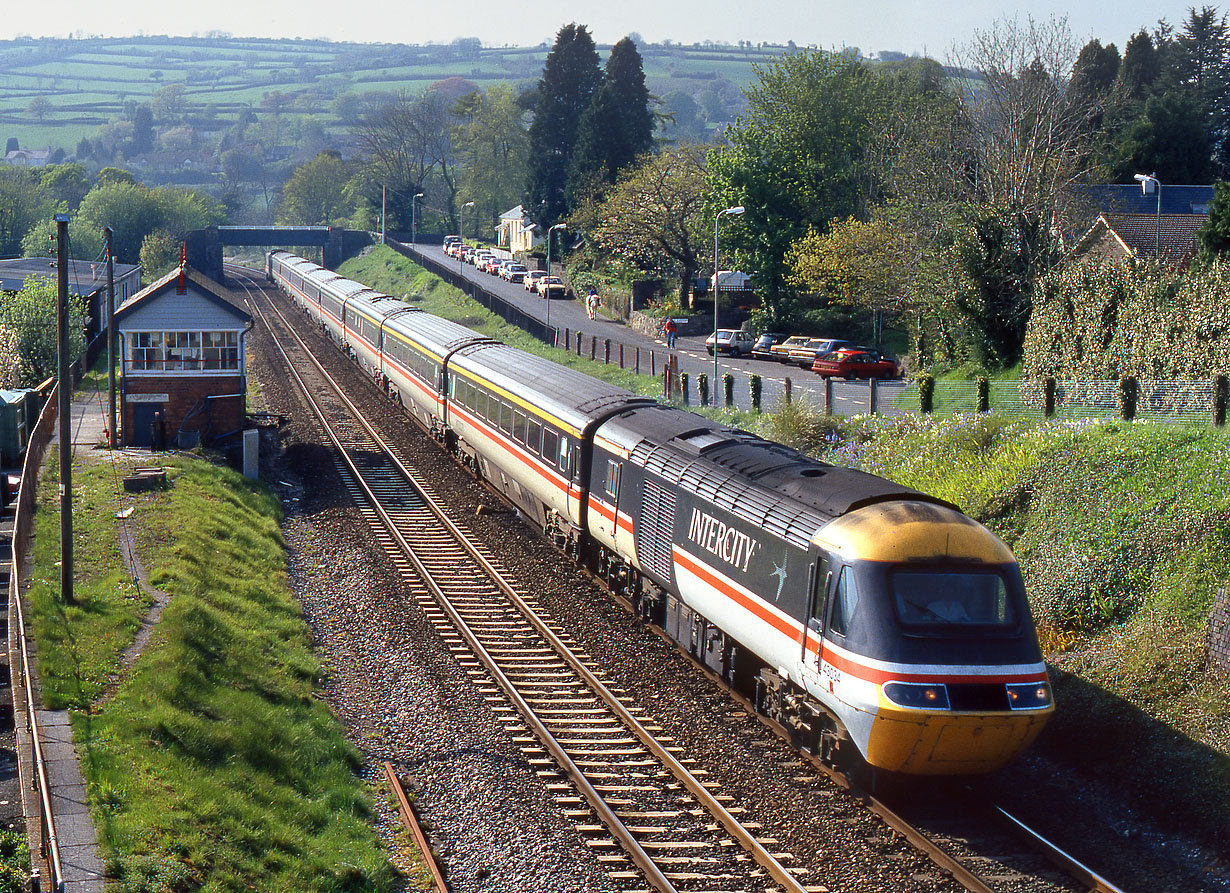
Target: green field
(88, 81)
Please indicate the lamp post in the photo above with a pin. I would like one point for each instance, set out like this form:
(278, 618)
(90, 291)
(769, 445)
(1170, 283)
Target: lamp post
(546, 291)
(414, 218)
(736, 211)
(1145, 180)
(461, 231)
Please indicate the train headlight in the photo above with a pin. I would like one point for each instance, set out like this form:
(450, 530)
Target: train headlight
(1029, 696)
(921, 696)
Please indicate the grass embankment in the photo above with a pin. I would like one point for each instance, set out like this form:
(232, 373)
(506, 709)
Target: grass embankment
(213, 765)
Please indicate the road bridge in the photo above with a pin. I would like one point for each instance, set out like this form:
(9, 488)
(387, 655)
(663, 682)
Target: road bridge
(205, 246)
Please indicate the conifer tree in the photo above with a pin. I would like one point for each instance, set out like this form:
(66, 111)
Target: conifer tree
(570, 78)
(617, 127)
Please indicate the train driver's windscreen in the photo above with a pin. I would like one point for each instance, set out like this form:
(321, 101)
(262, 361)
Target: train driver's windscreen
(934, 599)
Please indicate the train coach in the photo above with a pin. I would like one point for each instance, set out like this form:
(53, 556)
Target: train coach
(853, 610)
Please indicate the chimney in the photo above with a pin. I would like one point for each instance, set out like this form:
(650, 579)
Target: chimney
(181, 288)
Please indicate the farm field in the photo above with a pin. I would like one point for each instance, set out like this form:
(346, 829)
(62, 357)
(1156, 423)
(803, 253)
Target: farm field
(54, 92)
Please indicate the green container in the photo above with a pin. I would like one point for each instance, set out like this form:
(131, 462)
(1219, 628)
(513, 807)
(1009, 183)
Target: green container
(15, 410)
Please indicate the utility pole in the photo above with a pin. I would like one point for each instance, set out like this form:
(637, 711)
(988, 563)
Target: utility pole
(111, 429)
(65, 387)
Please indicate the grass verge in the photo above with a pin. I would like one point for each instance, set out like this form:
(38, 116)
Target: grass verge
(213, 765)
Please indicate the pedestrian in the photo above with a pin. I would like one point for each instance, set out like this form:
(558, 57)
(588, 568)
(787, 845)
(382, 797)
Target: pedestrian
(671, 332)
(591, 303)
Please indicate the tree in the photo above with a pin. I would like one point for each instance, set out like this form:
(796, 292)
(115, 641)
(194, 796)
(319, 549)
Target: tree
(22, 205)
(493, 148)
(30, 314)
(1140, 67)
(159, 253)
(616, 128)
(1170, 137)
(168, 103)
(570, 78)
(1214, 235)
(316, 193)
(654, 216)
(1093, 75)
(40, 106)
(65, 184)
(794, 162)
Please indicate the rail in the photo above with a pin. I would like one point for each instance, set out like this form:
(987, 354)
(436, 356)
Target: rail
(40, 439)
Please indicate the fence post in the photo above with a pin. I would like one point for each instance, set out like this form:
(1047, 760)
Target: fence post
(638, 359)
(728, 388)
(580, 336)
(1221, 396)
(593, 347)
(621, 354)
(1129, 394)
(702, 387)
(1048, 397)
(873, 395)
(683, 387)
(926, 394)
(984, 394)
(567, 337)
(606, 352)
(756, 385)
(828, 395)
(789, 391)
(653, 363)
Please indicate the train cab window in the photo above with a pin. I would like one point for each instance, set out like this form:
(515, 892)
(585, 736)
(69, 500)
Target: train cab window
(533, 436)
(845, 602)
(952, 599)
(519, 427)
(612, 478)
(550, 444)
(563, 454)
(819, 594)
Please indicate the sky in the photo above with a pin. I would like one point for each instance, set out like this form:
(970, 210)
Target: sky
(907, 26)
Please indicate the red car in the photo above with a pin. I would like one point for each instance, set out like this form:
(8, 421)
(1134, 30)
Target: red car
(854, 363)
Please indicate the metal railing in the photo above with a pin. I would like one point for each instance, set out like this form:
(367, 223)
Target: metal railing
(23, 523)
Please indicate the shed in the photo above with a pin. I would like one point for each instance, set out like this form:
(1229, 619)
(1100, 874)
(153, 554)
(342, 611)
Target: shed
(182, 361)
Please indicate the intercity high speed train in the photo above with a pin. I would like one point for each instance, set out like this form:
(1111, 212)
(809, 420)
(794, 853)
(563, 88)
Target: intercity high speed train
(853, 611)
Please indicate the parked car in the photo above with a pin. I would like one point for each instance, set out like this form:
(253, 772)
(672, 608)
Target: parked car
(852, 363)
(531, 279)
(552, 287)
(734, 342)
(762, 349)
(494, 265)
(450, 241)
(781, 351)
(816, 347)
(513, 272)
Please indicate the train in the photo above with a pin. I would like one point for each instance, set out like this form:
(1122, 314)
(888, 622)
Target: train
(880, 625)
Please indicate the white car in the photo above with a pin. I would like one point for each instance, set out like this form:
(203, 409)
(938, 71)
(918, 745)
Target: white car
(731, 341)
(513, 272)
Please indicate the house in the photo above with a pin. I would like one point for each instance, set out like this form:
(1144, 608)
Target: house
(182, 362)
(1123, 198)
(516, 231)
(28, 157)
(1116, 236)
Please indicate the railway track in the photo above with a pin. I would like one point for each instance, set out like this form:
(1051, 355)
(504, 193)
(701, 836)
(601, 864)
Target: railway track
(651, 818)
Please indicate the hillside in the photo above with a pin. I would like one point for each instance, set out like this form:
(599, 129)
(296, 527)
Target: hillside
(54, 92)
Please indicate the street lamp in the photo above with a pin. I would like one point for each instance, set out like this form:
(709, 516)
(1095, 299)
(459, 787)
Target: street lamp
(546, 291)
(1145, 180)
(461, 230)
(414, 218)
(736, 211)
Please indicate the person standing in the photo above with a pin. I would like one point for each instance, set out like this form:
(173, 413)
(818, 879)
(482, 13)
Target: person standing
(671, 332)
(591, 303)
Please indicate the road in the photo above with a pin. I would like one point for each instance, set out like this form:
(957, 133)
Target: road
(849, 398)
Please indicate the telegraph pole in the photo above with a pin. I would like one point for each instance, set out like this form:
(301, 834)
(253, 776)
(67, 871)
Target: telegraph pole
(65, 387)
(111, 429)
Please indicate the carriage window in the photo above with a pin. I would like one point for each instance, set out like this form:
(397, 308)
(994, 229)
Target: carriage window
(506, 414)
(533, 436)
(612, 478)
(952, 599)
(845, 602)
(563, 453)
(550, 444)
(519, 427)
